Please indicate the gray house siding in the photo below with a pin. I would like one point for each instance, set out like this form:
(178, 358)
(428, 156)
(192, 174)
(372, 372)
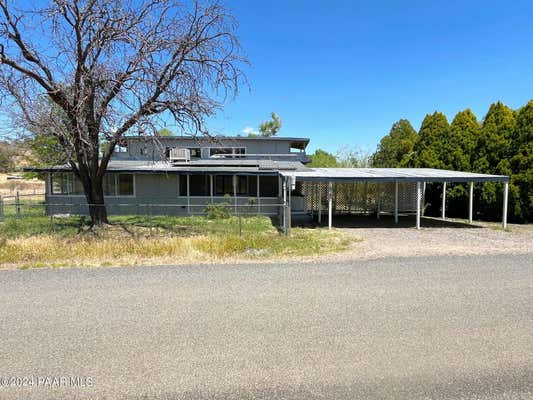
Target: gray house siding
(159, 194)
(152, 150)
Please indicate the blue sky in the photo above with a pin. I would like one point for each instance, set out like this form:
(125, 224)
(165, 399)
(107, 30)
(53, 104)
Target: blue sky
(341, 72)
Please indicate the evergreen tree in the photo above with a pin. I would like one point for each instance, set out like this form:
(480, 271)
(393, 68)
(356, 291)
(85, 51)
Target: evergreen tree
(429, 149)
(395, 148)
(493, 155)
(462, 142)
(459, 153)
(522, 165)
(272, 127)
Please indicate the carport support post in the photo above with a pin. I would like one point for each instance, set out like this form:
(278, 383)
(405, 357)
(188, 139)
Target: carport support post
(330, 204)
(284, 188)
(443, 211)
(378, 201)
(418, 201)
(396, 202)
(471, 204)
(505, 201)
(319, 203)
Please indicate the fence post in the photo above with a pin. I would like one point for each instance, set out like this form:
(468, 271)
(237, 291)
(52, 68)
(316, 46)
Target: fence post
(150, 217)
(1, 208)
(17, 205)
(240, 225)
(51, 221)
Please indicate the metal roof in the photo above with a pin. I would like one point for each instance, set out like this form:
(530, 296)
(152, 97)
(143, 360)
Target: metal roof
(390, 175)
(214, 138)
(292, 168)
(296, 142)
(213, 166)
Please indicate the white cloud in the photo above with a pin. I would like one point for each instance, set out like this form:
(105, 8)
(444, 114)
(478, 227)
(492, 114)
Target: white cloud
(249, 130)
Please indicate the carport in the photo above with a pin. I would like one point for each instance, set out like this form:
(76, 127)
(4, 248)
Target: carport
(393, 179)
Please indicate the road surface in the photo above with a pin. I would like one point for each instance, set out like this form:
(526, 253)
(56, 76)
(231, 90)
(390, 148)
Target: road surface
(418, 328)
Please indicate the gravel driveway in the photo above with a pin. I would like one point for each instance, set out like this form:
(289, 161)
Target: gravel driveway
(385, 239)
(410, 328)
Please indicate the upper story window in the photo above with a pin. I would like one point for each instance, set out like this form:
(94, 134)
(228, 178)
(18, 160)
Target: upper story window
(196, 152)
(227, 152)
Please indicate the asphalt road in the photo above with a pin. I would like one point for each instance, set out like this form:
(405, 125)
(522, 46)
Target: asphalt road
(423, 328)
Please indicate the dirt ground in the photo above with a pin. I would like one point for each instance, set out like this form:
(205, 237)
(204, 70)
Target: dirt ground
(436, 237)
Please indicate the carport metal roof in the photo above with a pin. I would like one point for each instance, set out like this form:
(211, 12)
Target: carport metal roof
(390, 175)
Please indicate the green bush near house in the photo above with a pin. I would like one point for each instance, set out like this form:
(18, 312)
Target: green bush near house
(220, 210)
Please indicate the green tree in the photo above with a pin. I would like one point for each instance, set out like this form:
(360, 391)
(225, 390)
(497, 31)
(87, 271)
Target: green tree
(522, 164)
(45, 150)
(459, 153)
(429, 148)
(165, 132)
(492, 156)
(322, 159)
(462, 141)
(272, 127)
(7, 162)
(395, 148)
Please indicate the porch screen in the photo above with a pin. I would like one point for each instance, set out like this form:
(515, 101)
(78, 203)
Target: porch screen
(268, 186)
(199, 185)
(223, 185)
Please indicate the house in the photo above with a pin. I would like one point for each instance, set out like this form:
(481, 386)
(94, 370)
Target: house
(182, 174)
(253, 175)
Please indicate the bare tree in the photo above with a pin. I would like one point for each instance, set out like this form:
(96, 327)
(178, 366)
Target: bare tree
(92, 70)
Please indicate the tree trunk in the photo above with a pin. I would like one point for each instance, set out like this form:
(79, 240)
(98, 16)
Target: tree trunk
(97, 208)
(98, 213)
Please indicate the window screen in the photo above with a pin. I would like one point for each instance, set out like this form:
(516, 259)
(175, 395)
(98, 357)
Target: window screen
(268, 186)
(199, 185)
(125, 185)
(223, 185)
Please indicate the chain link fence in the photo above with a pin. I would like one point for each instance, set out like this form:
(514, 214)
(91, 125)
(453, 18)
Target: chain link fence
(32, 213)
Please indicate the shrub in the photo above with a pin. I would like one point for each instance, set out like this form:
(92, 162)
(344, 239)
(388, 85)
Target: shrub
(220, 210)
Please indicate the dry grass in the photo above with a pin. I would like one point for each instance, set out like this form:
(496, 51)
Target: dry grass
(9, 187)
(114, 246)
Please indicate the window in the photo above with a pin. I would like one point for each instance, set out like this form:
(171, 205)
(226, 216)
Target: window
(118, 185)
(66, 183)
(239, 152)
(109, 185)
(59, 183)
(268, 186)
(183, 185)
(223, 185)
(125, 184)
(121, 149)
(195, 152)
(227, 152)
(247, 186)
(113, 184)
(199, 185)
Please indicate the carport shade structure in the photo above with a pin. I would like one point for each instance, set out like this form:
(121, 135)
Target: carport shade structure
(419, 176)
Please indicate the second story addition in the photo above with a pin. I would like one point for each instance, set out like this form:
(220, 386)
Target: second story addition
(187, 149)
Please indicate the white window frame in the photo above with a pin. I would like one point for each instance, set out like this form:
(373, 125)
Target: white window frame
(71, 174)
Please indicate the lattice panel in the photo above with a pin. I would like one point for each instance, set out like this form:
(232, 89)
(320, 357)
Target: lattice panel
(359, 198)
